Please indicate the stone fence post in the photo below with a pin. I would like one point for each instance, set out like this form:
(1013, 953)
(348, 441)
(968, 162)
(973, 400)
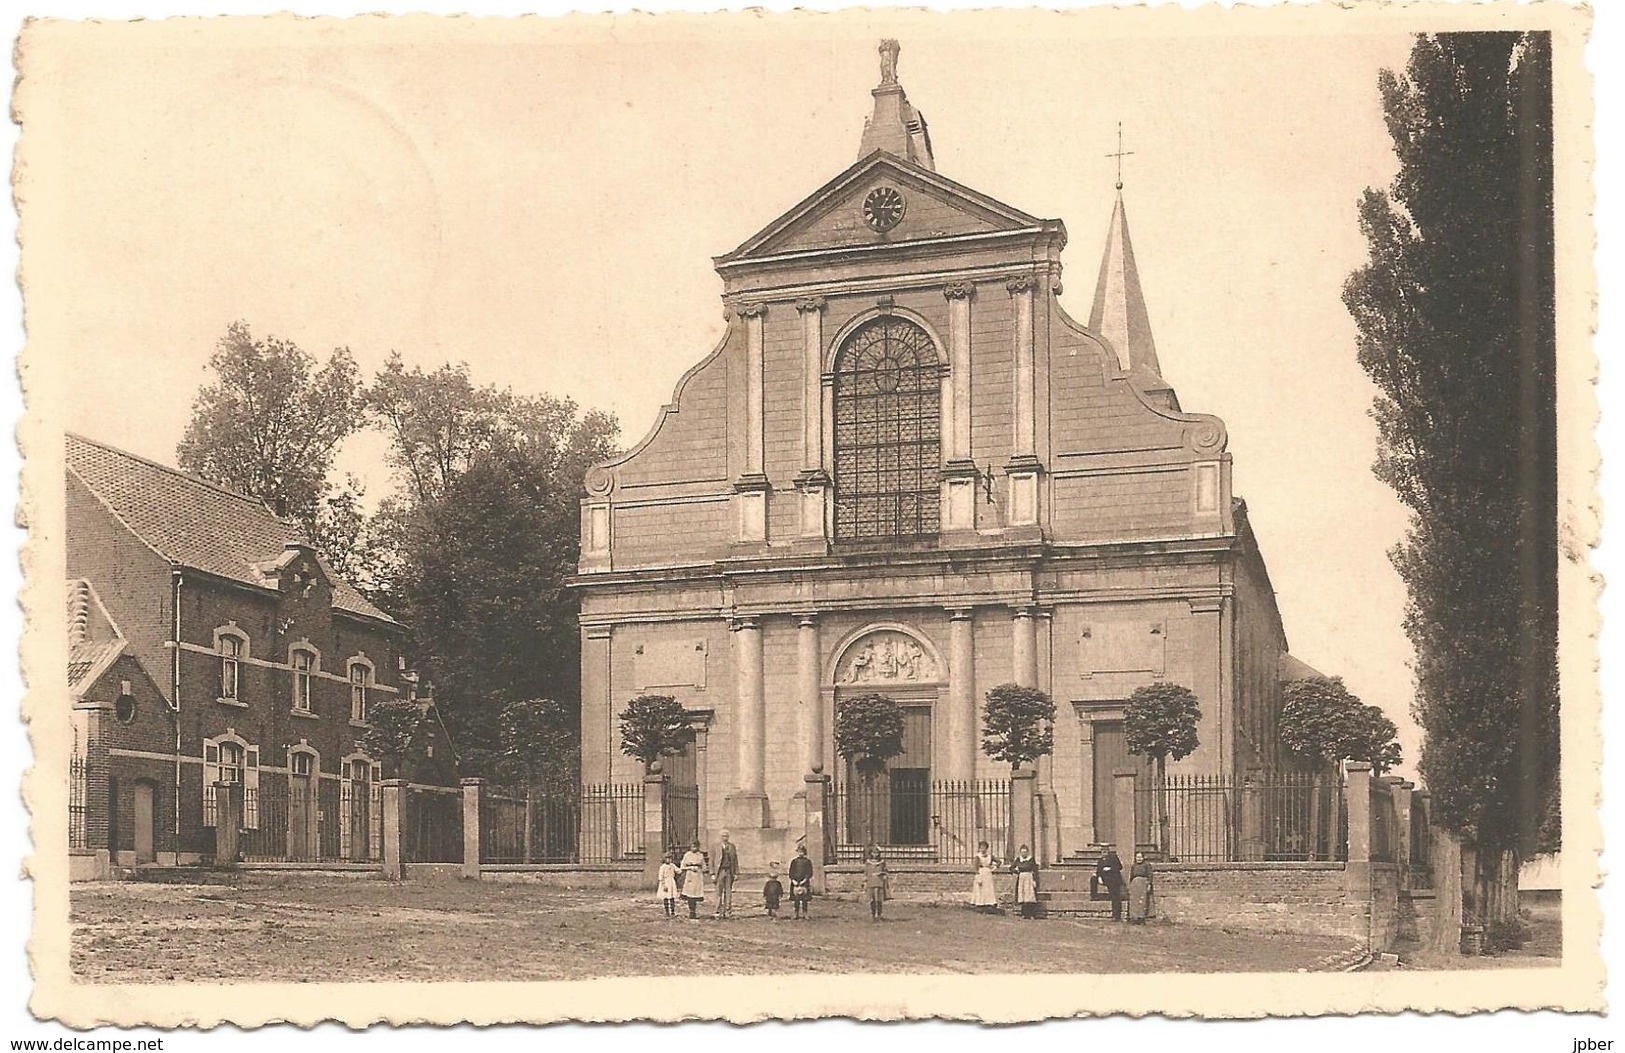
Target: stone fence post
(228, 822)
(1023, 820)
(1252, 817)
(471, 827)
(392, 794)
(817, 805)
(1123, 818)
(654, 825)
(1402, 822)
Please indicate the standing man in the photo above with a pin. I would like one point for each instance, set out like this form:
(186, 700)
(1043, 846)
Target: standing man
(727, 871)
(1110, 873)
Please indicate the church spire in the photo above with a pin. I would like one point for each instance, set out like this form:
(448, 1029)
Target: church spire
(895, 127)
(1119, 311)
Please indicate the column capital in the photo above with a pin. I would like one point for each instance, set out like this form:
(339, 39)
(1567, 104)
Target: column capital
(1019, 283)
(960, 614)
(750, 309)
(806, 619)
(810, 304)
(744, 621)
(959, 290)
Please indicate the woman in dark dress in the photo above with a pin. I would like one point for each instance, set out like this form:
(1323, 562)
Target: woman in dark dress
(801, 873)
(1139, 890)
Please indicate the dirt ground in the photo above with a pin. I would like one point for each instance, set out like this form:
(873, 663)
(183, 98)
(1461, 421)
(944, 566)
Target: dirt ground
(280, 928)
(1544, 948)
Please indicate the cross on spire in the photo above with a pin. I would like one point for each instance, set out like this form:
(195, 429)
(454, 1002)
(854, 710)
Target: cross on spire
(1120, 154)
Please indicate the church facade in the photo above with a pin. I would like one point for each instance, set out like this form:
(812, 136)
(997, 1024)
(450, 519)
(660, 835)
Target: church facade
(907, 469)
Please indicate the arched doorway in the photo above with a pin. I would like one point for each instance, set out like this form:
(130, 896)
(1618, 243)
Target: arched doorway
(892, 807)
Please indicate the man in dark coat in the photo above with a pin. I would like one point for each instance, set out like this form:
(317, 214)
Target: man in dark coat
(1109, 872)
(727, 874)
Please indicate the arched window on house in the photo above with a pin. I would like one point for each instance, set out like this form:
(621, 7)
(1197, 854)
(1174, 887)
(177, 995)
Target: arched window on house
(232, 646)
(304, 674)
(888, 452)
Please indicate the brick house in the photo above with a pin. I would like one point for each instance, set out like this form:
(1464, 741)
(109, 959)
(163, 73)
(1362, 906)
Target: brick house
(209, 643)
(906, 468)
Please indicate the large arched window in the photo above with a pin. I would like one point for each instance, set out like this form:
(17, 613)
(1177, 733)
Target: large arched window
(887, 432)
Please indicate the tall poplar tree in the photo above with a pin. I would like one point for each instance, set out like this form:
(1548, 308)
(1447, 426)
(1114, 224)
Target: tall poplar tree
(1456, 317)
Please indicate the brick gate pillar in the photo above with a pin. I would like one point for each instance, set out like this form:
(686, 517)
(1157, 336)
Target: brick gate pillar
(817, 803)
(392, 796)
(471, 827)
(654, 823)
(228, 822)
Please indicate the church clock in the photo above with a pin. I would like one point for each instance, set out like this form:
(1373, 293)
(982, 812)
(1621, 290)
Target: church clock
(883, 208)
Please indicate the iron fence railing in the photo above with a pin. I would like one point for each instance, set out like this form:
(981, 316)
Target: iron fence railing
(592, 824)
(78, 833)
(941, 821)
(432, 824)
(1284, 816)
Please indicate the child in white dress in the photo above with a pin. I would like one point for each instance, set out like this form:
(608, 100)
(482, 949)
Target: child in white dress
(666, 884)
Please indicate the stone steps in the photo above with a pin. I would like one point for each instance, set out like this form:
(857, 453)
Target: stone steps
(1077, 904)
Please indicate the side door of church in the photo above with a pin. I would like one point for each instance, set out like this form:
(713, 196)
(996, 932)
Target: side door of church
(1111, 755)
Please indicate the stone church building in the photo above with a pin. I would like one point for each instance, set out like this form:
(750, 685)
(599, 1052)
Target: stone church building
(907, 469)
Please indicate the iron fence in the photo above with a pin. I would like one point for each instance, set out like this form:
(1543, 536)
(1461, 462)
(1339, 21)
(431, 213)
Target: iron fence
(939, 821)
(593, 824)
(1213, 818)
(681, 821)
(311, 820)
(78, 833)
(432, 824)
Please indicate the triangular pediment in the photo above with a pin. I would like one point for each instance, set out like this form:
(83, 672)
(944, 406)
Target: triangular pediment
(832, 217)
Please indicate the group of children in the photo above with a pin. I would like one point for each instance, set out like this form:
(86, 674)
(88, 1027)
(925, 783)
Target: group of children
(682, 876)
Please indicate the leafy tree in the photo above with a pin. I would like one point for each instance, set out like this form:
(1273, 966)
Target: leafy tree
(1160, 722)
(1320, 720)
(868, 731)
(392, 727)
(540, 743)
(1374, 739)
(1455, 311)
(1018, 724)
(654, 726)
(270, 422)
(484, 537)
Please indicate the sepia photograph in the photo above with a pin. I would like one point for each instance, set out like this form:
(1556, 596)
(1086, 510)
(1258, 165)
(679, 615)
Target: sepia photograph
(558, 509)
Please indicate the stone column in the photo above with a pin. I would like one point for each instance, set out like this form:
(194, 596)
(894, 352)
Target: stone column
(807, 684)
(1401, 790)
(746, 807)
(1357, 789)
(751, 488)
(1023, 468)
(702, 776)
(1086, 779)
(597, 706)
(1024, 647)
(471, 828)
(960, 476)
(392, 794)
(1252, 817)
(813, 482)
(960, 725)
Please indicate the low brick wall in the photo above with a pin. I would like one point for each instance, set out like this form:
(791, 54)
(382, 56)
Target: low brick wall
(570, 876)
(1264, 897)
(916, 882)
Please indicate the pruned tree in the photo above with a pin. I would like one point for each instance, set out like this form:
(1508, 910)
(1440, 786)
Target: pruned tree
(1160, 722)
(1018, 725)
(1456, 320)
(392, 728)
(655, 726)
(1323, 723)
(270, 421)
(868, 734)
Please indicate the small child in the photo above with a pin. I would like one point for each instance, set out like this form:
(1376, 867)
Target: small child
(874, 882)
(772, 892)
(666, 883)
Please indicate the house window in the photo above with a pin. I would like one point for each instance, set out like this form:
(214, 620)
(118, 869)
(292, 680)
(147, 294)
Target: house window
(360, 677)
(304, 668)
(231, 653)
(230, 760)
(888, 388)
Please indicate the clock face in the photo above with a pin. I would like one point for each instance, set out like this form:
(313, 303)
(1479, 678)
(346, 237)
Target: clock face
(883, 208)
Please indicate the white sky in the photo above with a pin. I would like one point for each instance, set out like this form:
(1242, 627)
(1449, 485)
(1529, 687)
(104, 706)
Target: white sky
(545, 208)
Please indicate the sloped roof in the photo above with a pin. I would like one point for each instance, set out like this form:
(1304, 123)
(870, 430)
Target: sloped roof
(94, 639)
(1292, 669)
(193, 523)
